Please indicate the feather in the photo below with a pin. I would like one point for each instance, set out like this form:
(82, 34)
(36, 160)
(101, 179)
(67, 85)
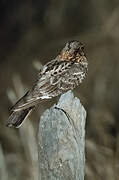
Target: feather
(17, 118)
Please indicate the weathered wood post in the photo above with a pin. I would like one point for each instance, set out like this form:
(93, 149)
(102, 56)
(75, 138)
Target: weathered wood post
(61, 140)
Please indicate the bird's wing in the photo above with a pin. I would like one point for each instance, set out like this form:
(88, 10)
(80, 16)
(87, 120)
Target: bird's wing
(46, 86)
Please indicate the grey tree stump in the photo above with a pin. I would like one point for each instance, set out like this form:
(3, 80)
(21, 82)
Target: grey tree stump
(61, 140)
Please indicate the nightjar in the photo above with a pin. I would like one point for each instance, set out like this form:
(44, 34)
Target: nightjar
(61, 74)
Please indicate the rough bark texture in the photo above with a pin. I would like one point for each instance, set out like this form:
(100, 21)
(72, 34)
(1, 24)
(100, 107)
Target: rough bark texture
(61, 140)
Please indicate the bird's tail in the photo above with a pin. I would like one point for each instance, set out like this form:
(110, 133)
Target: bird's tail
(17, 117)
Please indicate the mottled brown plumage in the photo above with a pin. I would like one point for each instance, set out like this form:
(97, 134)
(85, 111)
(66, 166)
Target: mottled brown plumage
(61, 74)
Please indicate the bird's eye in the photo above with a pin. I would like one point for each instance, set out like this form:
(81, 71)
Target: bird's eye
(82, 48)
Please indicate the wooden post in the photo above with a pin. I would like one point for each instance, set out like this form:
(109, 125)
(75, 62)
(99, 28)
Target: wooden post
(61, 140)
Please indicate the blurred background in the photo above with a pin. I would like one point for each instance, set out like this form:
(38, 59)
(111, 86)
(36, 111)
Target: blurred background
(31, 34)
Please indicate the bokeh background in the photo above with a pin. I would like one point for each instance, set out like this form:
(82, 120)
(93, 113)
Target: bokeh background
(31, 34)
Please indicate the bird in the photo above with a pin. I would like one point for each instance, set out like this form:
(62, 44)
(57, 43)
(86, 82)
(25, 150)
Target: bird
(56, 77)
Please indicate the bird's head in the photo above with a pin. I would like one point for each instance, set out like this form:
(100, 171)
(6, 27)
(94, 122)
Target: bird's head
(73, 51)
